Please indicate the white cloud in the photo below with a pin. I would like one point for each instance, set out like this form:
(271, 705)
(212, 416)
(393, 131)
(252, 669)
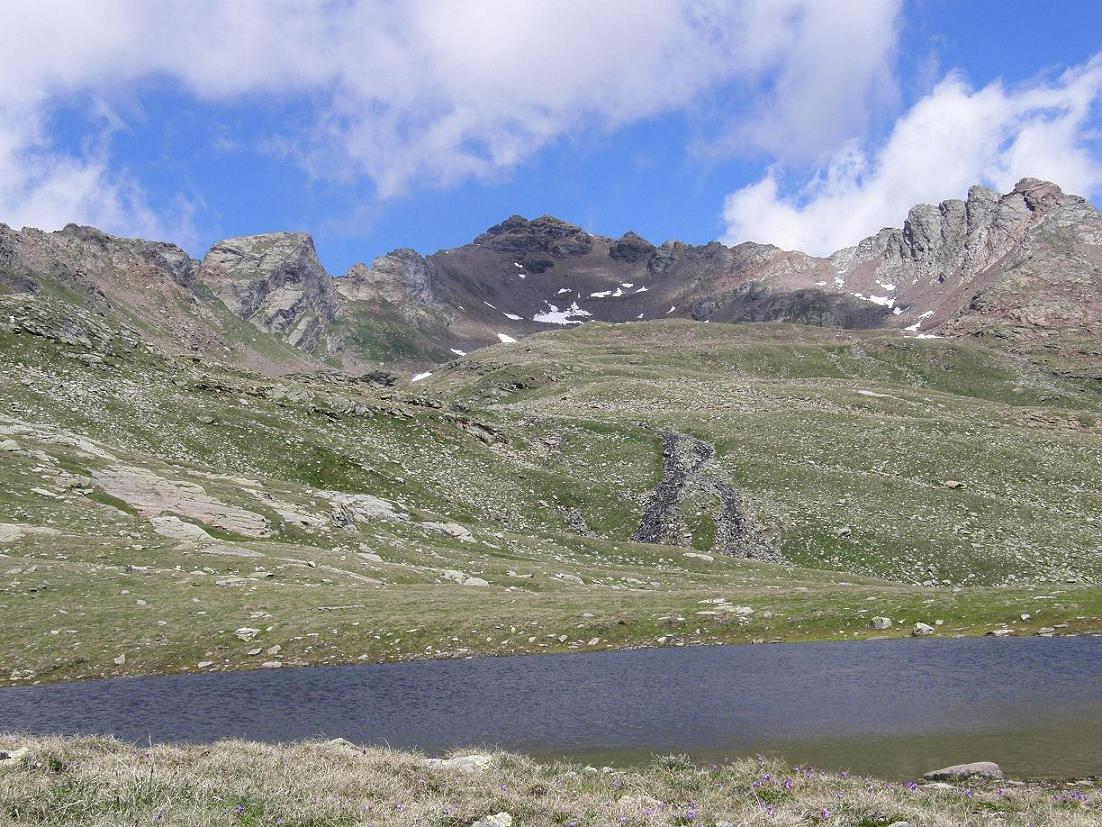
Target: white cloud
(426, 93)
(954, 137)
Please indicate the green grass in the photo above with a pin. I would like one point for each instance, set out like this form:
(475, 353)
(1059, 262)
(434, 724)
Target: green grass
(848, 485)
(105, 783)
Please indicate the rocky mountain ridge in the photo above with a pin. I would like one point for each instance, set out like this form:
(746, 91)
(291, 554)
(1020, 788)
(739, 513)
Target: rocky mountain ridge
(1025, 266)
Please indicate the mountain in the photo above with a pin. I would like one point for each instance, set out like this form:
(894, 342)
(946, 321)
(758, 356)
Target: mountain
(1024, 267)
(213, 464)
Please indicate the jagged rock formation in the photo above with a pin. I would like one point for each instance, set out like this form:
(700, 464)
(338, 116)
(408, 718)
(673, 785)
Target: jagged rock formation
(276, 282)
(399, 276)
(686, 476)
(1025, 266)
(1026, 261)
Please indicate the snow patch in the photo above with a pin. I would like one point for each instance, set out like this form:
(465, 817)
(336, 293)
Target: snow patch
(562, 290)
(518, 266)
(668, 312)
(420, 376)
(642, 289)
(488, 304)
(601, 294)
(505, 339)
(883, 301)
(627, 284)
(555, 316)
(512, 316)
(457, 351)
(820, 284)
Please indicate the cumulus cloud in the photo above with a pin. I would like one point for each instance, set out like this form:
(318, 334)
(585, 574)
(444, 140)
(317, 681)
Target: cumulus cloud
(425, 93)
(954, 137)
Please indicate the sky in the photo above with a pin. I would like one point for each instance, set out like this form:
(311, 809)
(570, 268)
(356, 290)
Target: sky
(420, 123)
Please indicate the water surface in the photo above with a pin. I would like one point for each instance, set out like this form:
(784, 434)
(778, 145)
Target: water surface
(890, 708)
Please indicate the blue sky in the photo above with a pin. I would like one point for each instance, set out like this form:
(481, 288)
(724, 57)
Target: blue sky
(378, 125)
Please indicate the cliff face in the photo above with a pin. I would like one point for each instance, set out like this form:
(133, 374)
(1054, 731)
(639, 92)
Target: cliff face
(275, 282)
(1022, 262)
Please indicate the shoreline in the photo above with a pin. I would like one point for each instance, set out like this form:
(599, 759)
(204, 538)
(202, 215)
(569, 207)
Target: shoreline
(104, 782)
(445, 657)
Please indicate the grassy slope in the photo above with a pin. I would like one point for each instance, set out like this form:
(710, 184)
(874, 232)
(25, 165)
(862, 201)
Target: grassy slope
(810, 452)
(104, 783)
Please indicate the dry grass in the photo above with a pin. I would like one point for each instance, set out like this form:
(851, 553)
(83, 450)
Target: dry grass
(104, 782)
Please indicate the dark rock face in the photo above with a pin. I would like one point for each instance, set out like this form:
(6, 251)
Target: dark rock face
(754, 303)
(630, 248)
(517, 235)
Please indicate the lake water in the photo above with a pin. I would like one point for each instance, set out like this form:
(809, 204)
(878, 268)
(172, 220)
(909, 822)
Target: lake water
(892, 708)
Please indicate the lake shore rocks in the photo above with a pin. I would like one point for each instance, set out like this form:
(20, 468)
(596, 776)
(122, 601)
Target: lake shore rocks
(961, 772)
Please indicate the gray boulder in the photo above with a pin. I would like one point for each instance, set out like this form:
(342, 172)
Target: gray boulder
(960, 772)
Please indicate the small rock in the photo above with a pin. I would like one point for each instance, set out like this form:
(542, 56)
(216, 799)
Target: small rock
(120, 660)
(12, 758)
(698, 556)
(921, 630)
(954, 484)
(1000, 632)
(253, 652)
(959, 772)
(203, 664)
(499, 820)
(246, 633)
(881, 623)
(271, 664)
(476, 762)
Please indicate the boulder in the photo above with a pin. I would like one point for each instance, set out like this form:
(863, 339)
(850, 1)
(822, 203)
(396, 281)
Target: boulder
(960, 772)
(881, 623)
(499, 820)
(921, 630)
(12, 758)
(455, 530)
(476, 762)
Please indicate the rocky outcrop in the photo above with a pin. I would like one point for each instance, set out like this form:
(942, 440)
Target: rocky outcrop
(152, 495)
(686, 476)
(400, 276)
(631, 248)
(1021, 263)
(533, 241)
(276, 282)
